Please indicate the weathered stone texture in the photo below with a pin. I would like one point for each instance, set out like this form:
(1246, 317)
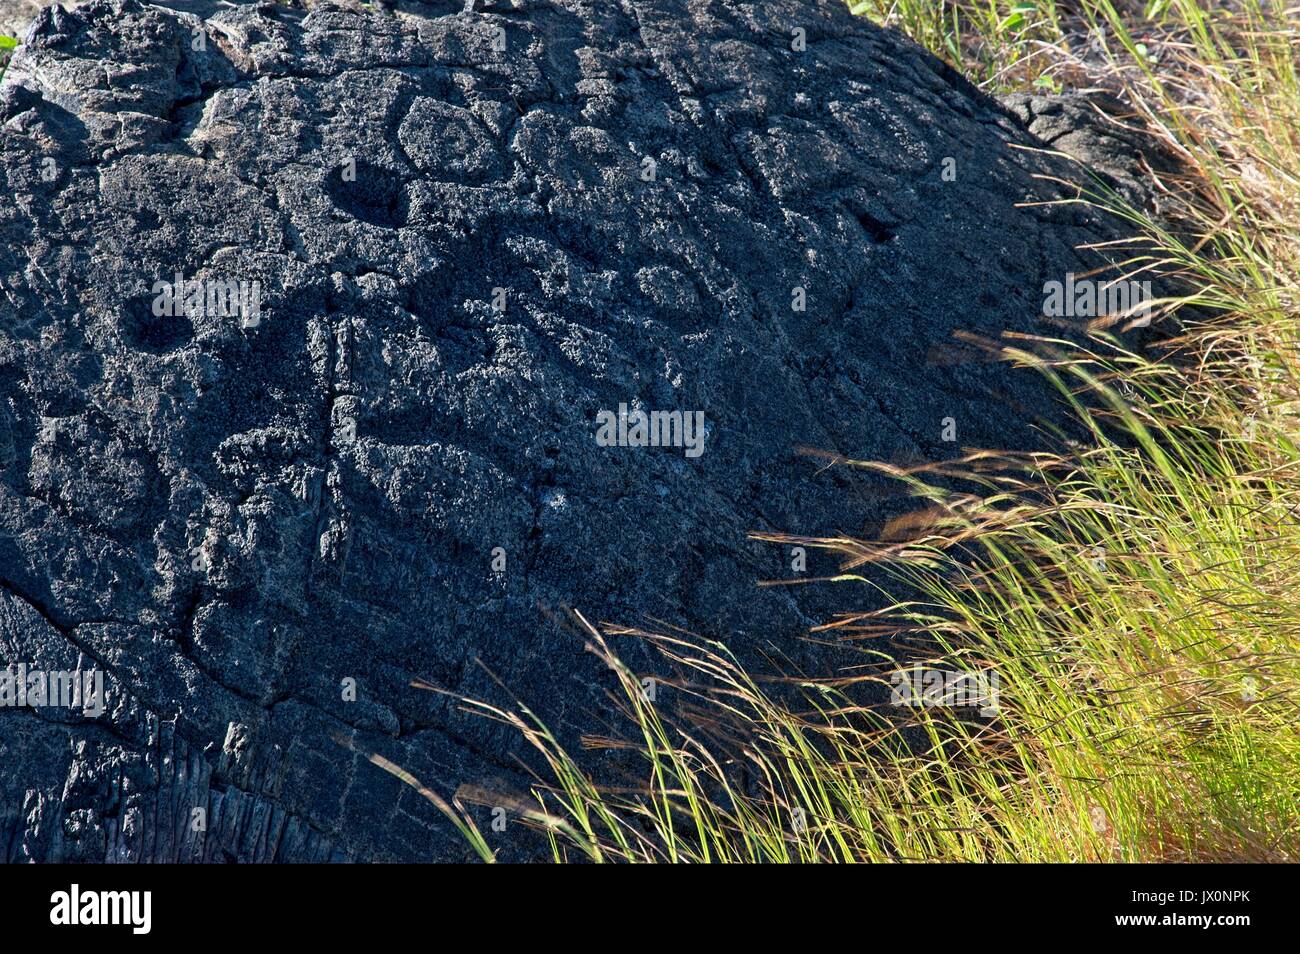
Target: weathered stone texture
(231, 520)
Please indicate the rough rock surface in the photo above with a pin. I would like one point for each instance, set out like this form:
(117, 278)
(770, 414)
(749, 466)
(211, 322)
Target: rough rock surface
(17, 15)
(1098, 132)
(231, 519)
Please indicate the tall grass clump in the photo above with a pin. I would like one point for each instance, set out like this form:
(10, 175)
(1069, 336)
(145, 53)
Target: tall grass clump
(1136, 596)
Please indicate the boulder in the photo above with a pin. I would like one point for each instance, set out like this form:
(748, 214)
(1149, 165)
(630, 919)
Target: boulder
(325, 339)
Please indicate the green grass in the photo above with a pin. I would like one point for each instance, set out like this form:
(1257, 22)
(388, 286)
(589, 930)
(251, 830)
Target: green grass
(7, 46)
(1138, 597)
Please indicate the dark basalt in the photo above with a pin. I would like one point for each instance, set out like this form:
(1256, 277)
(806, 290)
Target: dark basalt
(230, 521)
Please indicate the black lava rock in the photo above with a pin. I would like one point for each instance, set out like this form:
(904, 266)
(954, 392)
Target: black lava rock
(308, 321)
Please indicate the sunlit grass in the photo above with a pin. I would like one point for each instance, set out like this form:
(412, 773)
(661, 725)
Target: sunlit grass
(7, 46)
